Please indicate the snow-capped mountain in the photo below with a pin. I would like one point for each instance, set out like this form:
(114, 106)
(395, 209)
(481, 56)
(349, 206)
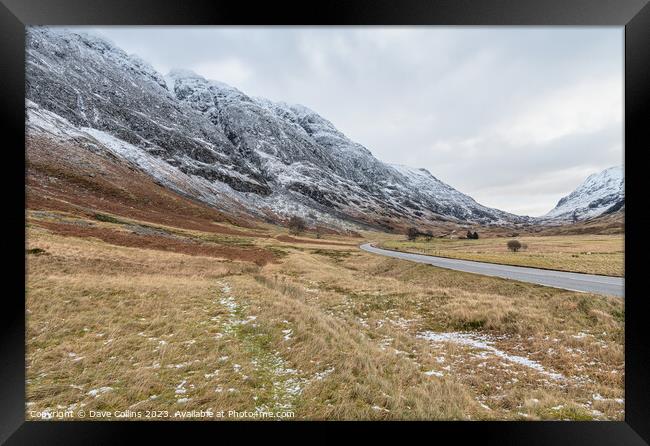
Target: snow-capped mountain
(210, 141)
(601, 193)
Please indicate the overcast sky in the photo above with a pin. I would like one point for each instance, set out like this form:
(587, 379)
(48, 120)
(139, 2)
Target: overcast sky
(514, 117)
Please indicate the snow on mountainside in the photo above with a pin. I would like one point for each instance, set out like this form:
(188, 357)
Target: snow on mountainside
(211, 141)
(599, 194)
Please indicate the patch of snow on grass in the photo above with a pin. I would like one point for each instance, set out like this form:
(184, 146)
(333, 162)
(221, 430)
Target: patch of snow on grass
(182, 365)
(322, 375)
(180, 389)
(482, 343)
(99, 391)
(211, 375)
(286, 386)
(599, 397)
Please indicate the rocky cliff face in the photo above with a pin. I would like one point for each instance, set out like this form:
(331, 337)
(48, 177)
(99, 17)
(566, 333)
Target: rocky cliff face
(213, 142)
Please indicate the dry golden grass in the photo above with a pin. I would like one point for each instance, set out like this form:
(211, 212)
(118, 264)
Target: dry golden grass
(593, 254)
(327, 332)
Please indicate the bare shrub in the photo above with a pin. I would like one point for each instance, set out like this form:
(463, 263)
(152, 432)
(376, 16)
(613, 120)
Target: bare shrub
(296, 225)
(514, 245)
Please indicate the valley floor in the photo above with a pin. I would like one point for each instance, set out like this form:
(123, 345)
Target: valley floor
(130, 315)
(581, 253)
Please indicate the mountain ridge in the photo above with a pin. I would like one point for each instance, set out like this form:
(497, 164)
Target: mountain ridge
(599, 194)
(206, 139)
(274, 159)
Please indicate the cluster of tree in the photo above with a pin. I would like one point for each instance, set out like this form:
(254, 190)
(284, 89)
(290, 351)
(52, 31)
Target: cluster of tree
(298, 225)
(413, 233)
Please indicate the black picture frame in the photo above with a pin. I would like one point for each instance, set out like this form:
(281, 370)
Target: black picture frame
(634, 15)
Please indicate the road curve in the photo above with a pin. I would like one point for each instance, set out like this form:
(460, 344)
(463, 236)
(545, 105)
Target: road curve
(589, 283)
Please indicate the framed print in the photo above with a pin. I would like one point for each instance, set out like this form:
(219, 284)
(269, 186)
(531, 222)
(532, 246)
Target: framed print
(364, 215)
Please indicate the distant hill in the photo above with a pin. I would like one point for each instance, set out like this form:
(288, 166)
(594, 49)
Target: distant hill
(601, 193)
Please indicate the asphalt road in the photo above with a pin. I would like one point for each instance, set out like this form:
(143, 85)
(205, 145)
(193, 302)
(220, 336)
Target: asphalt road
(612, 286)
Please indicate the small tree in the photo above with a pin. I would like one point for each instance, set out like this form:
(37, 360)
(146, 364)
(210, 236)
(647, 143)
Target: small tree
(475, 235)
(429, 235)
(469, 235)
(514, 245)
(412, 233)
(296, 225)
